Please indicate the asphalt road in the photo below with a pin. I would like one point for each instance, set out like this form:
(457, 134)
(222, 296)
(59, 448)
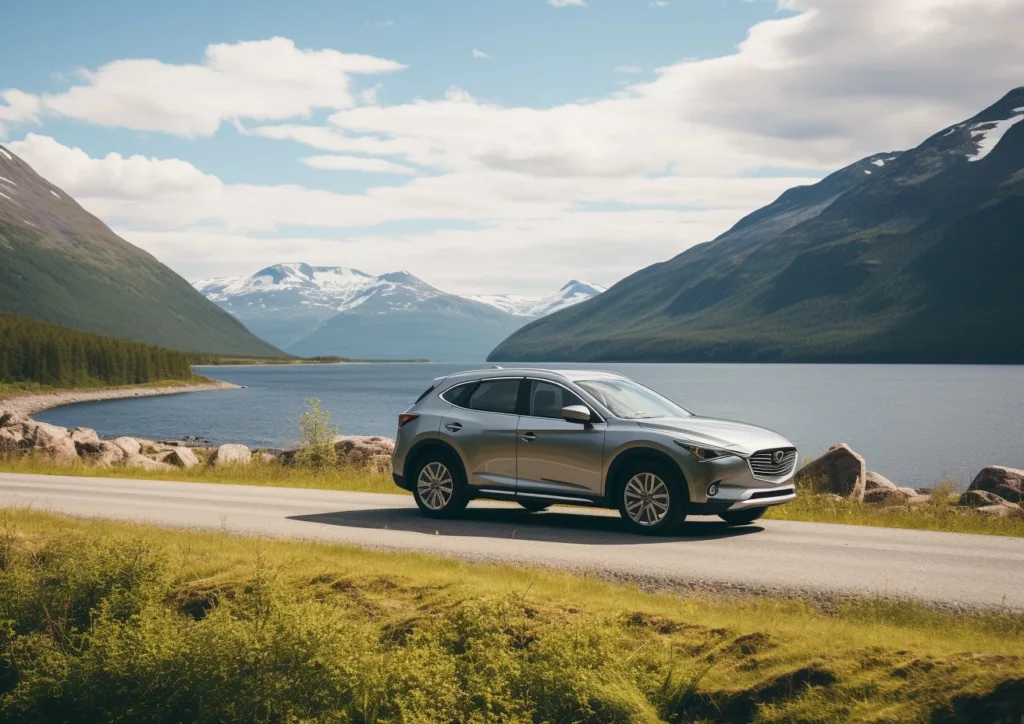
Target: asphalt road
(944, 569)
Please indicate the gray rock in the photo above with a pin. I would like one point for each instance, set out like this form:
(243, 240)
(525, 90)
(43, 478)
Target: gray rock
(1005, 510)
(141, 461)
(267, 458)
(1007, 483)
(231, 455)
(101, 453)
(182, 457)
(841, 469)
(10, 418)
(84, 434)
(887, 496)
(10, 440)
(130, 445)
(876, 481)
(54, 442)
(978, 499)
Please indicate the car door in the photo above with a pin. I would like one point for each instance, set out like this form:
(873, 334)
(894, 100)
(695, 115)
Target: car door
(555, 456)
(482, 425)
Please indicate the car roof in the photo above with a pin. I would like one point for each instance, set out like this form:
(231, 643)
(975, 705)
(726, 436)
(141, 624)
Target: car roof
(570, 375)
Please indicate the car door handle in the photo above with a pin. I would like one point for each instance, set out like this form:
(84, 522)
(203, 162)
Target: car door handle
(529, 437)
(454, 426)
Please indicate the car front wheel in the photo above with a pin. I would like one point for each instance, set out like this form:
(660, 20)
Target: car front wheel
(742, 517)
(440, 490)
(652, 499)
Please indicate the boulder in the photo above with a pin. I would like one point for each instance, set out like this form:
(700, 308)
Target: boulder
(54, 442)
(267, 458)
(130, 445)
(181, 457)
(231, 455)
(10, 418)
(365, 451)
(875, 481)
(887, 496)
(84, 434)
(141, 461)
(101, 453)
(985, 499)
(1007, 483)
(842, 470)
(10, 440)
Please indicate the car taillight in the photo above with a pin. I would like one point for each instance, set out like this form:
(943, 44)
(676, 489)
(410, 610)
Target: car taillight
(405, 418)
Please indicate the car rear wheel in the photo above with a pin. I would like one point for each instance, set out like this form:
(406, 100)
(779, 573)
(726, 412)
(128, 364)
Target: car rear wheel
(742, 517)
(440, 488)
(652, 498)
(534, 506)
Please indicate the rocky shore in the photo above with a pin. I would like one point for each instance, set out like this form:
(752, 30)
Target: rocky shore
(37, 402)
(21, 435)
(843, 474)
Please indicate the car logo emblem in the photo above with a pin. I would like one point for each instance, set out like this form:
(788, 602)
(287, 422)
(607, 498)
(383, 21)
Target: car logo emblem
(779, 455)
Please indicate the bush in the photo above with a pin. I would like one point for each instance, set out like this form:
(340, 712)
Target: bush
(316, 438)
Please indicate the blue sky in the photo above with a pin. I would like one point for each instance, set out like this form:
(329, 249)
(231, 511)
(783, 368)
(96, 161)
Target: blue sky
(595, 137)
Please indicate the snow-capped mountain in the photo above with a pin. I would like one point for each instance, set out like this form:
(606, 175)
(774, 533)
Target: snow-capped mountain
(315, 310)
(533, 307)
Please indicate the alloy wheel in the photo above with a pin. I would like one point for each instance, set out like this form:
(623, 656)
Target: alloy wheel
(646, 498)
(435, 486)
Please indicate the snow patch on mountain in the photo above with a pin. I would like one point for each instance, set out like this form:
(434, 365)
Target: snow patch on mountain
(525, 306)
(988, 134)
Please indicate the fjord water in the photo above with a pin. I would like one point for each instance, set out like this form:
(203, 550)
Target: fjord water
(915, 424)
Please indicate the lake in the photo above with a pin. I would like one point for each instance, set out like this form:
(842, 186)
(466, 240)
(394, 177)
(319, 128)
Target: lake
(914, 424)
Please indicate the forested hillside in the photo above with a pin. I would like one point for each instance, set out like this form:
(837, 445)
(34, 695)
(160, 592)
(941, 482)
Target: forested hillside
(60, 263)
(49, 354)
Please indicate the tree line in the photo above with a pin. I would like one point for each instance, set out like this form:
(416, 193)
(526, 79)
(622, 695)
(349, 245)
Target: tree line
(49, 354)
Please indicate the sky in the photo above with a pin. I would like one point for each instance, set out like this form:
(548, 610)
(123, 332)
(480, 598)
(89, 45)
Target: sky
(486, 146)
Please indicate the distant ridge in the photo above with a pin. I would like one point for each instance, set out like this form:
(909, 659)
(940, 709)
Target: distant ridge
(911, 256)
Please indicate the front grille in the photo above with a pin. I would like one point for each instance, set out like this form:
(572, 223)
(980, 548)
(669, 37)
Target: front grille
(763, 465)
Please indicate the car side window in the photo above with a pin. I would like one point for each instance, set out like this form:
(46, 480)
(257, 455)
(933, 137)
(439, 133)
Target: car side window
(495, 396)
(459, 395)
(547, 400)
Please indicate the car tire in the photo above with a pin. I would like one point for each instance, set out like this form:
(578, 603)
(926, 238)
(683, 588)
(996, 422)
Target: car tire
(534, 506)
(742, 517)
(654, 482)
(439, 485)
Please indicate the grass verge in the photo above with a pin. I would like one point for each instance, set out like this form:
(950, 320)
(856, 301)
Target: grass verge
(940, 515)
(10, 390)
(111, 622)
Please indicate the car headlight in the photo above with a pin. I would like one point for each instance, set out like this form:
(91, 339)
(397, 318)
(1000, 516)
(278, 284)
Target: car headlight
(704, 453)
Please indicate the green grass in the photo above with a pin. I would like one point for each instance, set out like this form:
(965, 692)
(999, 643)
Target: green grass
(114, 622)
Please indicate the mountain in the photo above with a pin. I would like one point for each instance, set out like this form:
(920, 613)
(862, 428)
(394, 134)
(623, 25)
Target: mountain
(61, 264)
(521, 306)
(316, 310)
(910, 256)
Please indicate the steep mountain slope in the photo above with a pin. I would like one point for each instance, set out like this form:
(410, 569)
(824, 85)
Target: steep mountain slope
(572, 293)
(314, 311)
(901, 257)
(61, 264)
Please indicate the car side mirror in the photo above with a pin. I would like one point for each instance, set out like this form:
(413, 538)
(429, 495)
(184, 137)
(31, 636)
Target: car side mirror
(576, 413)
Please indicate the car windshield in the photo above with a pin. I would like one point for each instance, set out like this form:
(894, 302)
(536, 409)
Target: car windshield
(631, 401)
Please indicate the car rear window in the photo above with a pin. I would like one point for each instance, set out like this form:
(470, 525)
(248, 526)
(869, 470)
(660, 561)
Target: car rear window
(459, 395)
(495, 396)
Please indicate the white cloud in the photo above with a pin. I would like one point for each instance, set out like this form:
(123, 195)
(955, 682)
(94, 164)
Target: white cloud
(357, 163)
(665, 4)
(628, 69)
(380, 24)
(17, 107)
(567, 3)
(480, 55)
(262, 80)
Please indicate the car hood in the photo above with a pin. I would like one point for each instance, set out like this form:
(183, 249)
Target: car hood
(712, 432)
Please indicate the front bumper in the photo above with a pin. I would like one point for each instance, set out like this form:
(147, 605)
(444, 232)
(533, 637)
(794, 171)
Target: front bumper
(733, 498)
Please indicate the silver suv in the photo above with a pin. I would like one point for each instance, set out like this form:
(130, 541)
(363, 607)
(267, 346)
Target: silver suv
(541, 437)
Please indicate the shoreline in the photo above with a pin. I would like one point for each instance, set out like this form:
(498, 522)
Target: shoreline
(31, 403)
